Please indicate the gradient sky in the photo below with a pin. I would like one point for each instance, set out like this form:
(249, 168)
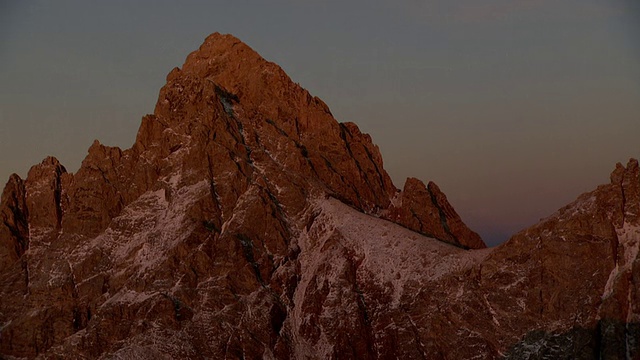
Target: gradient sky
(512, 107)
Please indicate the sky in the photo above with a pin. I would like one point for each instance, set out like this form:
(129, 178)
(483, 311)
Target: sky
(512, 107)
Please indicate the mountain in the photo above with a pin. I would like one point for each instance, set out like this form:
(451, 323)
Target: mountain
(246, 222)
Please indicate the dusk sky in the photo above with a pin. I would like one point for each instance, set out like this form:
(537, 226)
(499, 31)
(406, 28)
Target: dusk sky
(512, 107)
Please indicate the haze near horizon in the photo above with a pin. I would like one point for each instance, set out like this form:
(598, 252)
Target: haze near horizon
(513, 108)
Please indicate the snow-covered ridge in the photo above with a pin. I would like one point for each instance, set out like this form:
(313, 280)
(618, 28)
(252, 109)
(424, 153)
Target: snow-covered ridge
(341, 243)
(390, 253)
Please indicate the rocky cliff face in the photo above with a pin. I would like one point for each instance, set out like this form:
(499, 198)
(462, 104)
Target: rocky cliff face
(246, 222)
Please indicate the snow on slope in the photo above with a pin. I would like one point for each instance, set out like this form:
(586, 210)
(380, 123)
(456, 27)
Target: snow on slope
(393, 253)
(385, 255)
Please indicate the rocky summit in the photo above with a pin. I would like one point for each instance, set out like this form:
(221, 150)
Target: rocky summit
(245, 222)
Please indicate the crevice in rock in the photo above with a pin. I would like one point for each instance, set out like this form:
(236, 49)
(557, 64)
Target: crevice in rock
(277, 317)
(226, 99)
(57, 195)
(297, 123)
(76, 321)
(312, 219)
(233, 131)
(362, 305)
(305, 153)
(443, 217)
(423, 228)
(280, 216)
(420, 223)
(343, 135)
(180, 310)
(25, 270)
(380, 177)
(247, 149)
(347, 183)
(215, 197)
(615, 245)
(175, 148)
(261, 238)
(278, 129)
(21, 243)
(247, 249)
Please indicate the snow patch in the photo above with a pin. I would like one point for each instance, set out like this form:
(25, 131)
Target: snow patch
(148, 227)
(129, 297)
(396, 200)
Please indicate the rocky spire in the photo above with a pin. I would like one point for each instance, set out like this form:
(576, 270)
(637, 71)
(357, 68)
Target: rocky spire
(14, 217)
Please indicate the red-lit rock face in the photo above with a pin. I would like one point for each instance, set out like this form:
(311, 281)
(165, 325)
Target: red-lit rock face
(246, 222)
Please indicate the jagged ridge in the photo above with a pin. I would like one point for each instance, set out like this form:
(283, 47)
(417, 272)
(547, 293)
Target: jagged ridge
(216, 236)
(230, 161)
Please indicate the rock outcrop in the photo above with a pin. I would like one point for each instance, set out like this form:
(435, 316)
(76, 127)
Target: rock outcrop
(246, 222)
(425, 209)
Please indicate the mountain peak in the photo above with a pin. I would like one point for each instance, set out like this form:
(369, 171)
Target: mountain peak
(226, 82)
(217, 37)
(244, 82)
(219, 50)
(221, 44)
(247, 222)
(224, 196)
(237, 68)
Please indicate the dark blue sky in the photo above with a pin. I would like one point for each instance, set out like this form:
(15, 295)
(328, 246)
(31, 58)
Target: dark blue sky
(513, 107)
